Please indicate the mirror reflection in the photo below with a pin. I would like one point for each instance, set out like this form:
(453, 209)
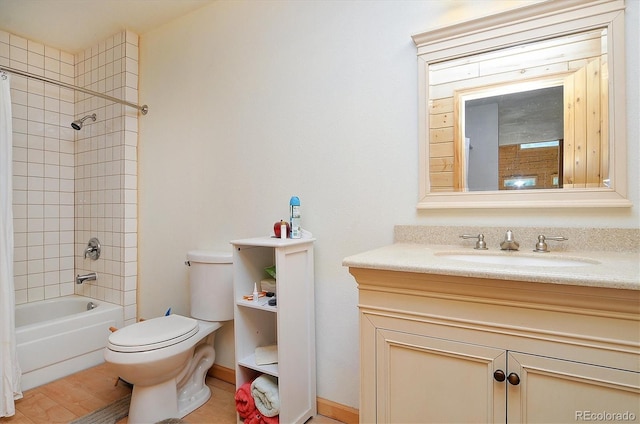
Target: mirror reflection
(528, 117)
(513, 141)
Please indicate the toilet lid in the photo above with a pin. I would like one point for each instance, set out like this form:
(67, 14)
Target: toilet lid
(154, 333)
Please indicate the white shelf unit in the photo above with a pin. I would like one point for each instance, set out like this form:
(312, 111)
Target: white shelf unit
(290, 324)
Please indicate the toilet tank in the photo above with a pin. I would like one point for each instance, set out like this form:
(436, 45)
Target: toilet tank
(211, 285)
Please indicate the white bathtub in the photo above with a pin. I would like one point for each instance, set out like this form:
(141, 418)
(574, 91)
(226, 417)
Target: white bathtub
(58, 337)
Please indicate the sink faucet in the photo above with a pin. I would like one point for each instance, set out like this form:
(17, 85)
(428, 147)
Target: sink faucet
(509, 243)
(541, 245)
(82, 278)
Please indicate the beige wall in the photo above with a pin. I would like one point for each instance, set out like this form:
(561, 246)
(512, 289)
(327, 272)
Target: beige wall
(252, 102)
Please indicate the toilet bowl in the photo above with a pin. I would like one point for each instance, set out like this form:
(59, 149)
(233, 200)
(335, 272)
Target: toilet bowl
(167, 358)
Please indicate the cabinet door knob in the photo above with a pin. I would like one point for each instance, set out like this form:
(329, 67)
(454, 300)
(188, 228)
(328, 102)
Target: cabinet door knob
(499, 375)
(513, 379)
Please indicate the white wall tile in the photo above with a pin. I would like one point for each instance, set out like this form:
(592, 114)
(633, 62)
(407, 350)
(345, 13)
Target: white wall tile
(66, 58)
(35, 294)
(52, 64)
(36, 113)
(20, 254)
(66, 70)
(18, 97)
(17, 54)
(66, 288)
(35, 128)
(35, 59)
(52, 104)
(52, 52)
(35, 47)
(35, 268)
(20, 126)
(17, 41)
(51, 291)
(51, 220)
(19, 111)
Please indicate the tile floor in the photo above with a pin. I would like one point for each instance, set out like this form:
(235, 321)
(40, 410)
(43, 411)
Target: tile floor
(72, 397)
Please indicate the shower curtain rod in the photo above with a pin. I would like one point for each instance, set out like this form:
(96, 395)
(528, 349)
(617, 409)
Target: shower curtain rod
(143, 109)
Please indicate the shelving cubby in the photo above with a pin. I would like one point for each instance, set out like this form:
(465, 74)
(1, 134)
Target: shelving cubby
(290, 324)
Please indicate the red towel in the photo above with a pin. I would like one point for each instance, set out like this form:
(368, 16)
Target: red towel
(257, 418)
(245, 404)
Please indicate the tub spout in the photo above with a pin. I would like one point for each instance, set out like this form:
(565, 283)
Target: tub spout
(82, 278)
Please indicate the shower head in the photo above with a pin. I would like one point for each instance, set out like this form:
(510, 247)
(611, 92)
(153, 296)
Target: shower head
(77, 124)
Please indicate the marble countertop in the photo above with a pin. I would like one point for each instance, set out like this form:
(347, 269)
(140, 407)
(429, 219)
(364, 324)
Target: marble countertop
(620, 270)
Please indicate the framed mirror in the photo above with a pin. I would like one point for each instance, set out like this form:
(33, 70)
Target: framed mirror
(525, 108)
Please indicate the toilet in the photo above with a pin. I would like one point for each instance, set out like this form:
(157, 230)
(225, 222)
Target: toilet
(167, 358)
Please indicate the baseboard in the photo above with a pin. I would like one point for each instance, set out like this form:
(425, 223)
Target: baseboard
(223, 373)
(337, 411)
(333, 410)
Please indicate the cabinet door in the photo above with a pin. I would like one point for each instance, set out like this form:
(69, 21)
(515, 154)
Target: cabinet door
(554, 390)
(430, 380)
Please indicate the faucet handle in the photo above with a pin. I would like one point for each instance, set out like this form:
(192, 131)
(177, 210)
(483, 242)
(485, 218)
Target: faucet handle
(480, 244)
(93, 249)
(541, 245)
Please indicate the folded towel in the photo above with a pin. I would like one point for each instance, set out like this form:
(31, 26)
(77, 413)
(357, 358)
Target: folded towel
(264, 390)
(266, 355)
(245, 404)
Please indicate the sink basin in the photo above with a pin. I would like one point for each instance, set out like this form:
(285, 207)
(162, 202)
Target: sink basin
(510, 259)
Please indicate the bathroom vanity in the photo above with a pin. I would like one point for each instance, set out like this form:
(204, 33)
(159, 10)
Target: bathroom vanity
(444, 338)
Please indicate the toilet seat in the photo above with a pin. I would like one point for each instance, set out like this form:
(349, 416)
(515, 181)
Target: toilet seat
(155, 333)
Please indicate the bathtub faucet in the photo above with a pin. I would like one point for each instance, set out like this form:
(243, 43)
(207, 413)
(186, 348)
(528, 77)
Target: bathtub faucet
(82, 278)
(89, 251)
(93, 249)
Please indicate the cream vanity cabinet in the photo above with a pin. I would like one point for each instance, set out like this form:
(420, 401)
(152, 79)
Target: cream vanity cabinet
(290, 324)
(440, 348)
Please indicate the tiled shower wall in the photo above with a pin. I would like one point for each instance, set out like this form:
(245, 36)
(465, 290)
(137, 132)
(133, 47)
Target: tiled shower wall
(43, 169)
(72, 185)
(106, 170)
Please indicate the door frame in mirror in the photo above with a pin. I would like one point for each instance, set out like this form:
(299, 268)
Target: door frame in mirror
(511, 28)
(461, 97)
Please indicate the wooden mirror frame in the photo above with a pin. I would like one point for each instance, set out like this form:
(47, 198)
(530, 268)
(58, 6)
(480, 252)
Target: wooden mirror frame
(511, 28)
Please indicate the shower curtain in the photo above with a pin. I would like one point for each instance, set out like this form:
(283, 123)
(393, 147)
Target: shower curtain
(9, 368)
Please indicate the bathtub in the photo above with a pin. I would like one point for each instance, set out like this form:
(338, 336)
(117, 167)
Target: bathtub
(58, 337)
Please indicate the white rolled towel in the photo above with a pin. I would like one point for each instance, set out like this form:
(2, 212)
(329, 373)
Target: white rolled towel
(264, 390)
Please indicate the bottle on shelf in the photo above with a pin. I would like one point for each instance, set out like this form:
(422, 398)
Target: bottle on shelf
(255, 293)
(294, 217)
